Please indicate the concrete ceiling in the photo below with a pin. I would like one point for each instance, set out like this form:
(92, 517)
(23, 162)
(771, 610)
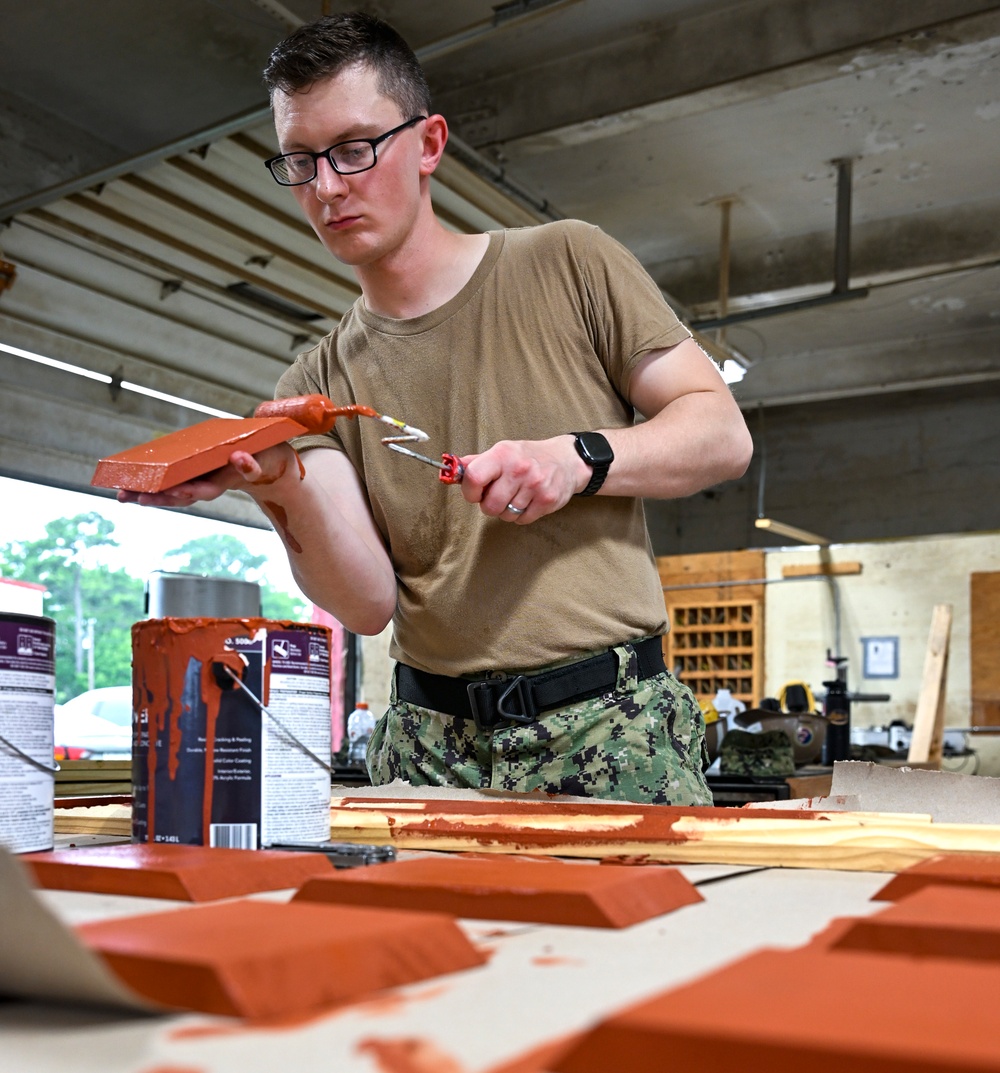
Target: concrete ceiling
(656, 119)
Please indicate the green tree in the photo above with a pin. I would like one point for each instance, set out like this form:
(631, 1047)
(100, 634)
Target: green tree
(222, 555)
(219, 555)
(93, 607)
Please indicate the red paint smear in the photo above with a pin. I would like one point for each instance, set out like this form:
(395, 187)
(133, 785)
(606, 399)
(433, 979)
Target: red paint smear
(392, 1003)
(552, 959)
(652, 823)
(175, 1069)
(380, 1005)
(280, 516)
(409, 1056)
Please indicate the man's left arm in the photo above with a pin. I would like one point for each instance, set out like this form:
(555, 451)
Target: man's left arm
(694, 435)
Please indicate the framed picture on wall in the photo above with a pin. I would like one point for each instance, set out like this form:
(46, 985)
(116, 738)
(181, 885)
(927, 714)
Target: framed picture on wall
(881, 657)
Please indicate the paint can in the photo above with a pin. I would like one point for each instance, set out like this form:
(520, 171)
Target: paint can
(197, 596)
(27, 713)
(231, 731)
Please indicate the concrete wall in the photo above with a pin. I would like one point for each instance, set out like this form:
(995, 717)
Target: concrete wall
(896, 465)
(893, 596)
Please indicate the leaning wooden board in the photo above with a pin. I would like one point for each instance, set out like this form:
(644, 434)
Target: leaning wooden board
(873, 842)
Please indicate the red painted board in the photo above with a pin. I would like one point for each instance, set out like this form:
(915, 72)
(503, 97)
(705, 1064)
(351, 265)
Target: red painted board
(268, 959)
(949, 869)
(191, 452)
(800, 1010)
(541, 824)
(545, 892)
(951, 922)
(168, 870)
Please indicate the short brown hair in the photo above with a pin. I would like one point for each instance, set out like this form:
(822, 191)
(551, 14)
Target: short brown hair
(324, 48)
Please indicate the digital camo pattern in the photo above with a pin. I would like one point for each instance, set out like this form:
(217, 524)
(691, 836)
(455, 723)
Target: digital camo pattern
(642, 742)
(759, 755)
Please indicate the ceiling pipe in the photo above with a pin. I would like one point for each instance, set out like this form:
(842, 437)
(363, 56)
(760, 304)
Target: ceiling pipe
(841, 266)
(772, 525)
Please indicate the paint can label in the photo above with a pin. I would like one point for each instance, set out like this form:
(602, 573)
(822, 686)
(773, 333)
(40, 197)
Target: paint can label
(209, 766)
(27, 706)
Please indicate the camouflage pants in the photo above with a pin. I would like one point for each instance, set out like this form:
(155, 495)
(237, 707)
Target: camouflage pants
(642, 741)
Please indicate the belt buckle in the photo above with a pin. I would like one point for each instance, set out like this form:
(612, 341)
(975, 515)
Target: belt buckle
(489, 702)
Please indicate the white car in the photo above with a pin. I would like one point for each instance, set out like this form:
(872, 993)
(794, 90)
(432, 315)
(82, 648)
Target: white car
(96, 725)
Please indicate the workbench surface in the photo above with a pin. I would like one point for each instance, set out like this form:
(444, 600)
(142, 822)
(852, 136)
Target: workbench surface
(541, 982)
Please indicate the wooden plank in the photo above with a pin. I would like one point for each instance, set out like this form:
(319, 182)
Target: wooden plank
(707, 569)
(984, 647)
(928, 723)
(838, 840)
(820, 569)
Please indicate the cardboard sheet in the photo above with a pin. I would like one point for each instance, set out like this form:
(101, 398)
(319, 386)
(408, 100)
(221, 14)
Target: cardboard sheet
(945, 795)
(41, 958)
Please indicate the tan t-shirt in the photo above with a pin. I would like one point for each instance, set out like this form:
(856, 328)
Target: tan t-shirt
(541, 341)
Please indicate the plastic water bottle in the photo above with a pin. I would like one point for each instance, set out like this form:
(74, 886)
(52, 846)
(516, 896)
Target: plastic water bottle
(360, 724)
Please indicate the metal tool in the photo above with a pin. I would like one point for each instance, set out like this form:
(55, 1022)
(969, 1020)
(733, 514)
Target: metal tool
(318, 413)
(452, 471)
(343, 854)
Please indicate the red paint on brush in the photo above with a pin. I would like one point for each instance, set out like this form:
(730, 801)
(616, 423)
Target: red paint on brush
(316, 412)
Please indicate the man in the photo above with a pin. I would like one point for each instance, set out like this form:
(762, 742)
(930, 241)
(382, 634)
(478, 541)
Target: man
(526, 607)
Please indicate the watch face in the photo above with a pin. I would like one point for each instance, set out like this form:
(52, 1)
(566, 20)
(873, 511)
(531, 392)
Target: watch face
(594, 448)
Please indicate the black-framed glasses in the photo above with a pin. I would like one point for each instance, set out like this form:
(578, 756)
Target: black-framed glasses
(346, 158)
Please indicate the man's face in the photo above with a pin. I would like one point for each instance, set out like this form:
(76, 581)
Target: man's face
(364, 217)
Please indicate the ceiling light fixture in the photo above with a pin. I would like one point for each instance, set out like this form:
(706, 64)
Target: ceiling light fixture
(772, 525)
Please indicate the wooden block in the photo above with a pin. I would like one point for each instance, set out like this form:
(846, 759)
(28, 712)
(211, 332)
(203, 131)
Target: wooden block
(948, 869)
(947, 922)
(928, 722)
(545, 892)
(93, 819)
(821, 569)
(984, 643)
(168, 870)
(191, 452)
(266, 959)
(807, 1010)
(94, 771)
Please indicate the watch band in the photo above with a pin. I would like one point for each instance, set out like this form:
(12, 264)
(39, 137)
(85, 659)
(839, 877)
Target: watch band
(595, 450)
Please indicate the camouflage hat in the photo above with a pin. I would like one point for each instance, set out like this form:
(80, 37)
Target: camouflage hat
(758, 755)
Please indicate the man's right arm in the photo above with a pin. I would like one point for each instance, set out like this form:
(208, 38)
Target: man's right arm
(321, 514)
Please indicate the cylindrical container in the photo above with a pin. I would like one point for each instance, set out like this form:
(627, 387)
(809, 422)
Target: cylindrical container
(360, 724)
(195, 596)
(27, 696)
(231, 731)
(837, 709)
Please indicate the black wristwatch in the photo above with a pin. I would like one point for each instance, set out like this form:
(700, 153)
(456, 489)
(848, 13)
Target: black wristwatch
(595, 450)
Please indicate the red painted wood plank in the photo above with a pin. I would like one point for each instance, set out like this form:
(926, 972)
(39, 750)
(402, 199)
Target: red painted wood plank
(550, 892)
(167, 870)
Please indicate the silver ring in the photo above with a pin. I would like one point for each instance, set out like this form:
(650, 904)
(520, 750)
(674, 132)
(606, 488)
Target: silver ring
(515, 510)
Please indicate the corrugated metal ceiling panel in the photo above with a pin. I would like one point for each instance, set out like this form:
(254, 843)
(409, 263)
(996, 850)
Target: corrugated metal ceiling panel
(196, 278)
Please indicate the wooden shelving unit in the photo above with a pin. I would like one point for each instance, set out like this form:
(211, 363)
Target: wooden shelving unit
(715, 607)
(716, 645)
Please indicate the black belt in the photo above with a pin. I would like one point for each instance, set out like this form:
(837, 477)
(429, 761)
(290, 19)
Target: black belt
(492, 702)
